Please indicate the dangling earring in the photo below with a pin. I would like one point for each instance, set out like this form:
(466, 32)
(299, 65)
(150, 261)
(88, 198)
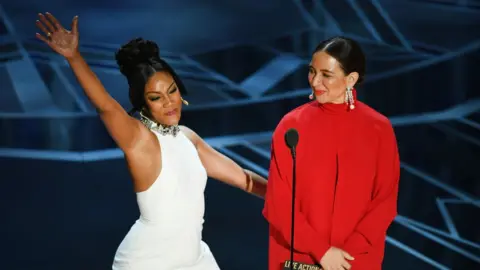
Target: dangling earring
(147, 121)
(349, 98)
(310, 96)
(143, 114)
(184, 101)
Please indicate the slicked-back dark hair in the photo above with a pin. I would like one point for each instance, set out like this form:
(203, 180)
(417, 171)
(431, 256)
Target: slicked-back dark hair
(347, 52)
(138, 60)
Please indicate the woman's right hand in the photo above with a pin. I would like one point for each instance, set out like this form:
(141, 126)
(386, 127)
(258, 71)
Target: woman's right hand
(335, 259)
(58, 38)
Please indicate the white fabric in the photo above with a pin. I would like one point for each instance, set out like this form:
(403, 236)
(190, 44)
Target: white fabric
(168, 234)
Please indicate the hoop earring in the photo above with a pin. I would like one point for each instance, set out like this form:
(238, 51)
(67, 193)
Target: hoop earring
(184, 102)
(349, 98)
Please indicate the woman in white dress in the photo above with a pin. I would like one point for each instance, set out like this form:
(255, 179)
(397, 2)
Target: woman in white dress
(169, 164)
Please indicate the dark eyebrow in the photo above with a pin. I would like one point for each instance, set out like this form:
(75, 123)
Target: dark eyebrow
(157, 92)
(323, 70)
(326, 71)
(171, 85)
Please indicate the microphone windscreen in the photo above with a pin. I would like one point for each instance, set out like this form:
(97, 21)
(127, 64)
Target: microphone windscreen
(291, 137)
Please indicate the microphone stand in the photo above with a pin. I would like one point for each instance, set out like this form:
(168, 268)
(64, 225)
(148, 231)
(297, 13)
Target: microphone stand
(294, 180)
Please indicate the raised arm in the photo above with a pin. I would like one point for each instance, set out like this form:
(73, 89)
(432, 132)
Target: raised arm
(124, 129)
(222, 168)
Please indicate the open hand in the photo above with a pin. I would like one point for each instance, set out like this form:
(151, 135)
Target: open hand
(61, 40)
(335, 259)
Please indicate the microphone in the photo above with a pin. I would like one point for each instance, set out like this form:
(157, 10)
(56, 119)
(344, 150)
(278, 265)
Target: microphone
(291, 139)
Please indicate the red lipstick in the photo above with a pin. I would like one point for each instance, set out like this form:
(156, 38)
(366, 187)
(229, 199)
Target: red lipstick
(319, 92)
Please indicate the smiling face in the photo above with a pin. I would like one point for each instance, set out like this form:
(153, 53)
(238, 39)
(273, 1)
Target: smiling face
(163, 99)
(328, 80)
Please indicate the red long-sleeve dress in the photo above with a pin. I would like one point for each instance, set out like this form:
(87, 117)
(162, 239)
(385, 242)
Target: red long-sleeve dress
(347, 184)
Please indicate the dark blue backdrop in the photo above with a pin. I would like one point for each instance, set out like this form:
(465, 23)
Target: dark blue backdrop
(66, 198)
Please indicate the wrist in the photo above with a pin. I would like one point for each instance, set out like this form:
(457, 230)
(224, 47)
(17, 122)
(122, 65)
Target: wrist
(320, 252)
(75, 56)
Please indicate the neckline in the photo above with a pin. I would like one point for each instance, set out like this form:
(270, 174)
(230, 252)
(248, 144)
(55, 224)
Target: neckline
(332, 108)
(337, 108)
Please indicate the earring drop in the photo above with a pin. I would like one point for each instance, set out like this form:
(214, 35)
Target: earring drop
(349, 98)
(310, 96)
(185, 102)
(143, 113)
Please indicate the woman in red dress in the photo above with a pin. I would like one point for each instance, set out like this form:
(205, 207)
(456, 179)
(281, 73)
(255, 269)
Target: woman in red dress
(347, 171)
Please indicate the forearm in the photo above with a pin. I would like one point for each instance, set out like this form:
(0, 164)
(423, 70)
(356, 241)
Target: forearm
(307, 240)
(255, 184)
(372, 228)
(124, 130)
(91, 85)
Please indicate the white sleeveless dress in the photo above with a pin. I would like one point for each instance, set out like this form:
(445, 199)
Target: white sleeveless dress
(168, 233)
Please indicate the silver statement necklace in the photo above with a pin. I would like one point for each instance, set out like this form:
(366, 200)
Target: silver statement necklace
(162, 129)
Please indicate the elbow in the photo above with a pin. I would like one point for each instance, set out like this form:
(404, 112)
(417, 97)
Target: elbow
(393, 215)
(394, 211)
(102, 110)
(108, 106)
(390, 209)
(390, 214)
(267, 215)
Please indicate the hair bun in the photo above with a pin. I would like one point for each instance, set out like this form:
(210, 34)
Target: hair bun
(136, 52)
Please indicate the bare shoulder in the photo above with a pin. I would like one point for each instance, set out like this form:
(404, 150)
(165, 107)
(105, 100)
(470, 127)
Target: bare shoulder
(145, 159)
(191, 135)
(146, 139)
